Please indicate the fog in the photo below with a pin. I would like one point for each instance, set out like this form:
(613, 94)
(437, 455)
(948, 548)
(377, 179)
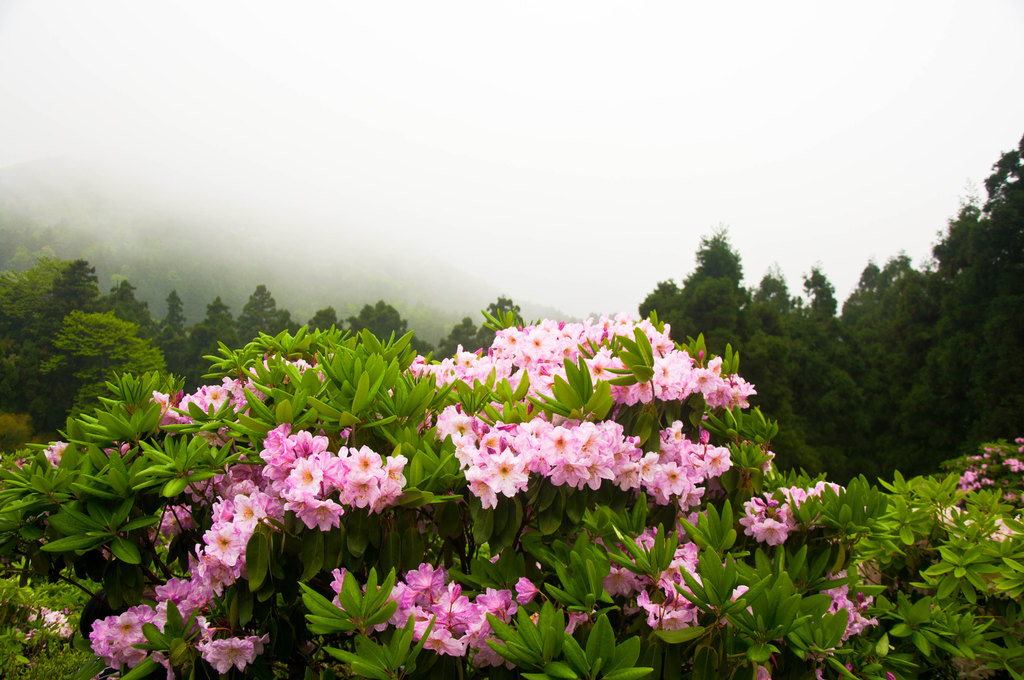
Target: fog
(571, 154)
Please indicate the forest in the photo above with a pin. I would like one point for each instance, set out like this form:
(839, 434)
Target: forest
(917, 366)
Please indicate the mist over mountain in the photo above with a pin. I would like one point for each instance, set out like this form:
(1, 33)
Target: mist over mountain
(163, 235)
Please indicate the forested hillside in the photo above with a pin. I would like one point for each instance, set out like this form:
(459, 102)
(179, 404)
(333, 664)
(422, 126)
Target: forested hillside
(161, 243)
(917, 365)
(61, 338)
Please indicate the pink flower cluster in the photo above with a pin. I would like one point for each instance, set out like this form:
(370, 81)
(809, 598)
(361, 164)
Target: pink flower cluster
(112, 638)
(856, 621)
(53, 621)
(307, 477)
(176, 518)
(55, 452)
(174, 408)
(460, 627)
(224, 653)
(770, 521)
(539, 351)
(997, 467)
(499, 459)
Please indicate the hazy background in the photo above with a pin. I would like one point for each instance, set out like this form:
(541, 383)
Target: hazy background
(566, 153)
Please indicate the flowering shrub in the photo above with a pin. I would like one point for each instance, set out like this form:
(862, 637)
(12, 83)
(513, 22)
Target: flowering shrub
(999, 466)
(581, 501)
(36, 628)
(956, 579)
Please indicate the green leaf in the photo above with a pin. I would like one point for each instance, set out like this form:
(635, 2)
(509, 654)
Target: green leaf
(601, 641)
(312, 554)
(674, 637)
(257, 559)
(759, 653)
(359, 401)
(125, 550)
(173, 487)
(483, 525)
(575, 655)
(142, 670)
(629, 673)
(80, 542)
(284, 413)
(557, 669)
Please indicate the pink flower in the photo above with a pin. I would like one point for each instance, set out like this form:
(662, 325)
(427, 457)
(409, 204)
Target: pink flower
(225, 543)
(443, 642)
(55, 452)
(427, 583)
(317, 513)
(305, 478)
(770, 531)
(479, 486)
(248, 513)
(621, 581)
(507, 473)
(526, 591)
(227, 652)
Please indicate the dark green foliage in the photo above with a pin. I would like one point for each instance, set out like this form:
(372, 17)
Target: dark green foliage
(921, 364)
(261, 315)
(980, 330)
(171, 338)
(76, 287)
(711, 300)
(323, 319)
(218, 326)
(472, 337)
(821, 293)
(122, 303)
(382, 320)
(93, 348)
(463, 334)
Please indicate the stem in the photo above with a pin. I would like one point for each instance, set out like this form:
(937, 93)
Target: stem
(163, 567)
(76, 584)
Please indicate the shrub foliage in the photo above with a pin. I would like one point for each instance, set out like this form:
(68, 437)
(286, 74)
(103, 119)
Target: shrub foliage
(580, 501)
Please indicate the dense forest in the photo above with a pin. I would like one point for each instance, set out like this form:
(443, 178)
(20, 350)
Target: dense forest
(61, 339)
(918, 365)
(915, 367)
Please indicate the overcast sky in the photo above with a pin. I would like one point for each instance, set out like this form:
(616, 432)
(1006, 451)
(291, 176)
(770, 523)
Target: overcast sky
(572, 153)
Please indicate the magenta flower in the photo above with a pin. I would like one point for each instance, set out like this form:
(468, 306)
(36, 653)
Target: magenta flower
(227, 652)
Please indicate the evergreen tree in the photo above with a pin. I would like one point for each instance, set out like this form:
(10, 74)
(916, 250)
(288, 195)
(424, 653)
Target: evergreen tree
(381, 319)
(260, 314)
(464, 333)
(218, 326)
(172, 339)
(324, 319)
(821, 293)
(769, 361)
(174, 320)
(969, 383)
(888, 325)
(75, 288)
(711, 300)
(473, 337)
(122, 303)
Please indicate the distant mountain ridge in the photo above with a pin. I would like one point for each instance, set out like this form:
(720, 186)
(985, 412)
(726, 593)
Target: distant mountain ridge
(159, 241)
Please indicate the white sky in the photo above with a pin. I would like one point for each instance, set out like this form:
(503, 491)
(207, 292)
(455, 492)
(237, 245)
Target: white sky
(572, 153)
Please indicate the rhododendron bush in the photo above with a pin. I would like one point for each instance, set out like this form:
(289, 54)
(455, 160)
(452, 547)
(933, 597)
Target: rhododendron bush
(997, 466)
(579, 501)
